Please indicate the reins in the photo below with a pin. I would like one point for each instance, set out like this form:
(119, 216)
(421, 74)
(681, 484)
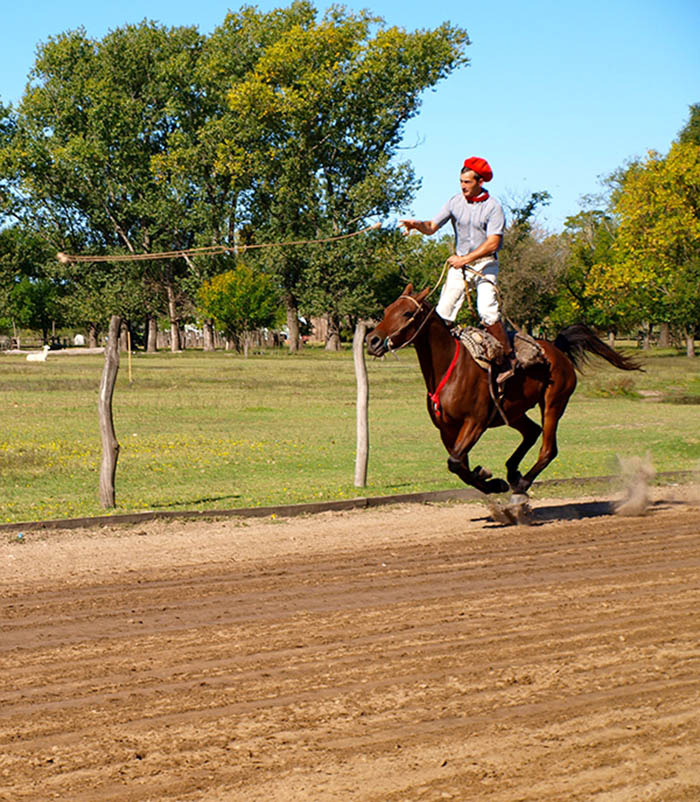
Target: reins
(466, 269)
(435, 397)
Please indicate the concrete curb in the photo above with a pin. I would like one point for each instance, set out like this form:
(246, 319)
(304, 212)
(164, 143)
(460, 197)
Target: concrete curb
(292, 510)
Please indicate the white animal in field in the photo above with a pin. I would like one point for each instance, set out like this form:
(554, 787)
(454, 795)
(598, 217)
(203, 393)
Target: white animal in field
(38, 356)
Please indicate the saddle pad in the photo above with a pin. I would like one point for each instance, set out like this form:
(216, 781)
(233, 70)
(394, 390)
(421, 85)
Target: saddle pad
(483, 347)
(527, 350)
(486, 349)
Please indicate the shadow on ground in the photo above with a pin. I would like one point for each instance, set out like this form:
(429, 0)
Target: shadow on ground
(572, 511)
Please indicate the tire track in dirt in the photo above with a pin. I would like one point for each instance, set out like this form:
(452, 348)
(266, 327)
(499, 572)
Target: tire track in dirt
(556, 662)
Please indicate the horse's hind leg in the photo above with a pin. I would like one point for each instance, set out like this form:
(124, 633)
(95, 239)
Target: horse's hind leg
(548, 451)
(530, 431)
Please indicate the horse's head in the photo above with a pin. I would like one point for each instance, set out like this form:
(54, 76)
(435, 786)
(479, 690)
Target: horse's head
(400, 323)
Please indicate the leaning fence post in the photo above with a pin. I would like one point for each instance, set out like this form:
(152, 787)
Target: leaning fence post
(110, 444)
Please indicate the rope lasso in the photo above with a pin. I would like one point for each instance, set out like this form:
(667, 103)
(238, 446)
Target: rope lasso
(210, 250)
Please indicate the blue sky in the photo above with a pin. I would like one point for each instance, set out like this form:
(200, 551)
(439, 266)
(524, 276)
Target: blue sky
(557, 94)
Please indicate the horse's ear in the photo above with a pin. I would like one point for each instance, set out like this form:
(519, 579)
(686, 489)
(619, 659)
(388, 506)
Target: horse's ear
(423, 294)
(408, 290)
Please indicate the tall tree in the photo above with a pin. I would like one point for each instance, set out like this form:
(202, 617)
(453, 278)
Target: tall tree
(80, 159)
(28, 297)
(320, 118)
(690, 133)
(588, 239)
(531, 264)
(658, 240)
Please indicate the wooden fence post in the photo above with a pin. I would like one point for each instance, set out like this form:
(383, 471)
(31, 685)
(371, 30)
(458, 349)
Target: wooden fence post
(362, 414)
(110, 444)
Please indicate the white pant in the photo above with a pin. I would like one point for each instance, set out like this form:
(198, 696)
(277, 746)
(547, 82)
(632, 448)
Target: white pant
(453, 292)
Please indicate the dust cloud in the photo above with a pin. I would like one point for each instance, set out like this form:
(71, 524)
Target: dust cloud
(636, 474)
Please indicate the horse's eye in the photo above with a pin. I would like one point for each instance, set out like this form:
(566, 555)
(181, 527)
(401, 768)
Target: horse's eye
(407, 314)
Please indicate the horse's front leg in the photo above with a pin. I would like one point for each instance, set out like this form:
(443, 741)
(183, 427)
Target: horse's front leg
(458, 461)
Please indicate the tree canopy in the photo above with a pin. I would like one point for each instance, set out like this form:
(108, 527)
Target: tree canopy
(277, 126)
(657, 245)
(282, 126)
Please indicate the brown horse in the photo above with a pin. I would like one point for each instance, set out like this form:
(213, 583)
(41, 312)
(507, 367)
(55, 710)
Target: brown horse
(460, 401)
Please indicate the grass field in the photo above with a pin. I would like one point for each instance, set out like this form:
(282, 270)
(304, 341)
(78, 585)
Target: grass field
(216, 431)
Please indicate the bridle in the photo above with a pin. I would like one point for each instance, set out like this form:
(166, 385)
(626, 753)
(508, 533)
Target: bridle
(407, 323)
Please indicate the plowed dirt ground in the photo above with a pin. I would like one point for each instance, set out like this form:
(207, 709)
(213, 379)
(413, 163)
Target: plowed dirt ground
(403, 653)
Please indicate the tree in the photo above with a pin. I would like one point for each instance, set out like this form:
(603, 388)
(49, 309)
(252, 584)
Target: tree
(240, 301)
(588, 240)
(28, 298)
(531, 264)
(658, 241)
(690, 133)
(79, 158)
(320, 118)
(33, 305)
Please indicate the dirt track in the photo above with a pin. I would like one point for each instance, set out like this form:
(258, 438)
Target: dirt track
(411, 653)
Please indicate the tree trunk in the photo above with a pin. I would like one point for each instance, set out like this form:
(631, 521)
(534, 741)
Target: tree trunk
(151, 335)
(333, 336)
(92, 335)
(362, 414)
(611, 338)
(690, 344)
(110, 444)
(664, 335)
(174, 321)
(292, 323)
(333, 341)
(208, 331)
(124, 338)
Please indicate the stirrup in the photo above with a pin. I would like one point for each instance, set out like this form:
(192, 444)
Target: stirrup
(508, 372)
(502, 378)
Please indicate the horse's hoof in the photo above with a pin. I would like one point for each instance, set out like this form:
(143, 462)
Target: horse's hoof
(520, 509)
(501, 514)
(496, 486)
(519, 499)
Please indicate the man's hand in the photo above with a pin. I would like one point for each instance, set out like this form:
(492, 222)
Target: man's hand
(457, 261)
(424, 226)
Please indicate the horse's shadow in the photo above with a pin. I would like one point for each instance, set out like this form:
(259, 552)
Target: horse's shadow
(572, 511)
(579, 511)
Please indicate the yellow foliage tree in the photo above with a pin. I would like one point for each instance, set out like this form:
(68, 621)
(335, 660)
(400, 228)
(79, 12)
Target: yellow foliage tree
(657, 248)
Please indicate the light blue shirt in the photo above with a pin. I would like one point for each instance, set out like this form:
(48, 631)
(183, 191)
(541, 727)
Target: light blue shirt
(473, 223)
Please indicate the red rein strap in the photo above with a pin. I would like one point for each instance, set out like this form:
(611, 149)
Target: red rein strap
(435, 397)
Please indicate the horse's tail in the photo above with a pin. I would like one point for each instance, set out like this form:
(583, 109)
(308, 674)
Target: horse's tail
(578, 341)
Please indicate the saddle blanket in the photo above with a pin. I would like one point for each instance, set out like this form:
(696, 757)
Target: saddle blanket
(485, 348)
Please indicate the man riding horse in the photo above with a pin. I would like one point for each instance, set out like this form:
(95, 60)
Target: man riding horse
(478, 222)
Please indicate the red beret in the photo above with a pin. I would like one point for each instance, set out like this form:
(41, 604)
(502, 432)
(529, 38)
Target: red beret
(479, 166)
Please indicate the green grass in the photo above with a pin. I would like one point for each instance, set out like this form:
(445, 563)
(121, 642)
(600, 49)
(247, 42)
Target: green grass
(208, 431)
